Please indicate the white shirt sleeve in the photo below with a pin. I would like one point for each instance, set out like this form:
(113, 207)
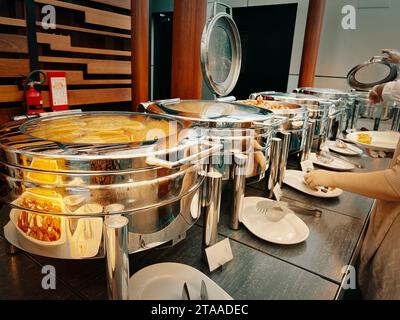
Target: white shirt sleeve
(391, 91)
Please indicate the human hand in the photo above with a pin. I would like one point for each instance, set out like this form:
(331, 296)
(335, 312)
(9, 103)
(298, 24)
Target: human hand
(392, 55)
(319, 178)
(375, 95)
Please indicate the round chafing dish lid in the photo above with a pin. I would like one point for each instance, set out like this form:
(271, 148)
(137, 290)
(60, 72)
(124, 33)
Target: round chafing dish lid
(365, 76)
(85, 137)
(214, 111)
(221, 52)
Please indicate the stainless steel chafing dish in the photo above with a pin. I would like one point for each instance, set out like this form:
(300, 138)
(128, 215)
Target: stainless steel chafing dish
(63, 177)
(294, 119)
(340, 111)
(318, 109)
(240, 128)
(245, 133)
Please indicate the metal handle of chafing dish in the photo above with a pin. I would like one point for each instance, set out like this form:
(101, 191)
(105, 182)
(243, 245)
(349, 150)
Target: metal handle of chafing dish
(210, 209)
(239, 185)
(215, 8)
(117, 258)
(276, 121)
(143, 106)
(156, 161)
(226, 99)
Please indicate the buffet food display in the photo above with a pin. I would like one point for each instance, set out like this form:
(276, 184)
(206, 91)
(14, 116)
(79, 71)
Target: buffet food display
(295, 119)
(84, 185)
(114, 129)
(51, 185)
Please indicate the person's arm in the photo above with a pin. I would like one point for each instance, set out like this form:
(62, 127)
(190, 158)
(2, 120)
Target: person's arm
(382, 185)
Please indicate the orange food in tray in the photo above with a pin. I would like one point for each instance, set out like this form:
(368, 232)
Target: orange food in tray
(41, 227)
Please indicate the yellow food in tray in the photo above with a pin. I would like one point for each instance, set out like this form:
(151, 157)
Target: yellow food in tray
(46, 165)
(98, 129)
(364, 138)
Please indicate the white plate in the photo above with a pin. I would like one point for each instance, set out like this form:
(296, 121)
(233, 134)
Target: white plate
(336, 164)
(164, 281)
(295, 179)
(351, 150)
(381, 140)
(289, 230)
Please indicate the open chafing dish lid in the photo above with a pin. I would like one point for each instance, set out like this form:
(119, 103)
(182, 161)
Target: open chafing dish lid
(86, 138)
(221, 51)
(217, 112)
(365, 76)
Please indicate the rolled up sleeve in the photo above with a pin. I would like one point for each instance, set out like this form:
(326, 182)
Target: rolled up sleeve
(391, 91)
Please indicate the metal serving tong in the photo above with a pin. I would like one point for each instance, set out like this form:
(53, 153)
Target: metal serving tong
(305, 210)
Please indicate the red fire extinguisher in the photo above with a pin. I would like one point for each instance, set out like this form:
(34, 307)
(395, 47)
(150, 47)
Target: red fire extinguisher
(33, 98)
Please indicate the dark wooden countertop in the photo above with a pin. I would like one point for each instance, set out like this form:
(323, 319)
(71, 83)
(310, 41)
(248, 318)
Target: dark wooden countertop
(259, 270)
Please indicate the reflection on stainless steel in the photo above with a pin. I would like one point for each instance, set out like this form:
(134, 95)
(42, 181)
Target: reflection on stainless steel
(78, 186)
(116, 243)
(342, 108)
(239, 184)
(273, 171)
(380, 112)
(396, 119)
(310, 138)
(238, 127)
(319, 109)
(211, 209)
(285, 136)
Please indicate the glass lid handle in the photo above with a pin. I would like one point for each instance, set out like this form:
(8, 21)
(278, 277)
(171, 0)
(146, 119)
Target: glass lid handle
(228, 9)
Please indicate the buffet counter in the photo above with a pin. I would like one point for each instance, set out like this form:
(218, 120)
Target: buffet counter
(259, 270)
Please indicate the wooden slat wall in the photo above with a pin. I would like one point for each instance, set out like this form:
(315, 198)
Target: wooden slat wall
(91, 43)
(14, 58)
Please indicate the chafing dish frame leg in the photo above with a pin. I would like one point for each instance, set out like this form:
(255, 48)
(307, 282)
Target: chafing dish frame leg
(396, 119)
(211, 204)
(117, 257)
(285, 137)
(309, 140)
(273, 171)
(239, 187)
